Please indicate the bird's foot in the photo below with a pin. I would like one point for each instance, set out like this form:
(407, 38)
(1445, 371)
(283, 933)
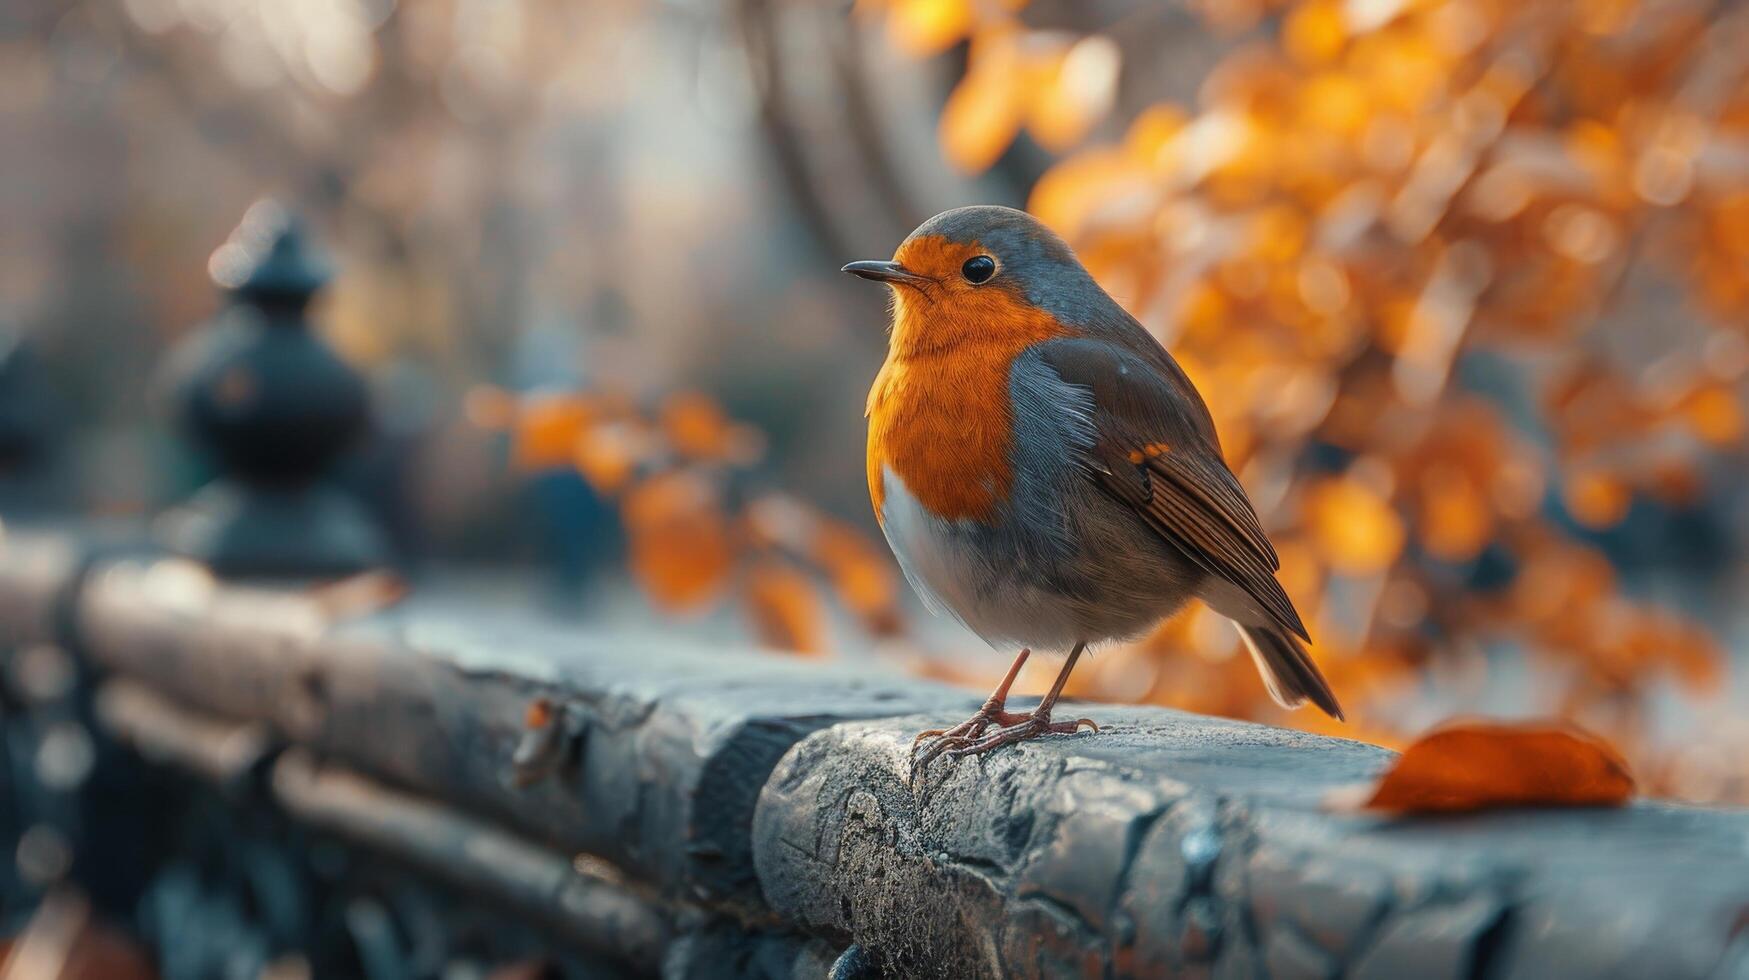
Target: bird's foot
(964, 733)
(1029, 726)
(974, 737)
(991, 713)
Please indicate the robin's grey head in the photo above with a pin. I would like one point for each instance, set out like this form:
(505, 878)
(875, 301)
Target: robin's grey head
(971, 250)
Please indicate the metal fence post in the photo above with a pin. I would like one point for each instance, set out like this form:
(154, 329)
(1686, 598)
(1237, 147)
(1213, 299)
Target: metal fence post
(275, 408)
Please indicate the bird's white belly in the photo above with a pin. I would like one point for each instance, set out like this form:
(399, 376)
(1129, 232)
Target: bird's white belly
(967, 572)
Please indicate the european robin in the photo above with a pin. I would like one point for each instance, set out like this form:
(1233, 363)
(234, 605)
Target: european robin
(1046, 473)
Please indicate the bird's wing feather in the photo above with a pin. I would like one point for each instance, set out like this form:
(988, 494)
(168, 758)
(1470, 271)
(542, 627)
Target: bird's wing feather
(1154, 450)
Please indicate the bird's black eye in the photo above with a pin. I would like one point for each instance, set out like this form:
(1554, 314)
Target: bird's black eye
(978, 268)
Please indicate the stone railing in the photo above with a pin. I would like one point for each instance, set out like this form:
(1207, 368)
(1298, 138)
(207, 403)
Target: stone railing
(630, 806)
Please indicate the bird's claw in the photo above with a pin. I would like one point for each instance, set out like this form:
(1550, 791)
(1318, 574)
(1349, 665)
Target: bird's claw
(1029, 727)
(964, 733)
(972, 727)
(969, 737)
(931, 733)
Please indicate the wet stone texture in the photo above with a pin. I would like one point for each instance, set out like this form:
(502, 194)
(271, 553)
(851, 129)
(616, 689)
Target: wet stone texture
(766, 803)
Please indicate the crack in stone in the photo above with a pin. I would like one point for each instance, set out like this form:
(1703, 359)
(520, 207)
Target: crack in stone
(1487, 953)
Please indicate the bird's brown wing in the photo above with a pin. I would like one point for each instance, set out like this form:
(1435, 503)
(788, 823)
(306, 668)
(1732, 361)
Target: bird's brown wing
(1154, 450)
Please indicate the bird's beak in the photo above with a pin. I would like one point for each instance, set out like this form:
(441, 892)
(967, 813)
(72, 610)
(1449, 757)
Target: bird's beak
(888, 272)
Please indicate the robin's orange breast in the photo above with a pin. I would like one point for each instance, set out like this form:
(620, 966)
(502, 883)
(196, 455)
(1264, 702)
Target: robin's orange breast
(939, 414)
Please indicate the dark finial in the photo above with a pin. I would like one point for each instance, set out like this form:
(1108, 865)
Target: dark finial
(269, 259)
(275, 408)
(29, 413)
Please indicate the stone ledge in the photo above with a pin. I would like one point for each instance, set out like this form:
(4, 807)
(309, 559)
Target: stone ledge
(1176, 845)
(662, 750)
(770, 795)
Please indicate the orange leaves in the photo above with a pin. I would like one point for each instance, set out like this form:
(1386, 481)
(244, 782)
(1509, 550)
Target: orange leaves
(862, 574)
(1055, 86)
(546, 428)
(1314, 33)
(1621, 437)
(675, 471)
(1373, 232)
(984, 112)
(1560, 581)
(1564, 603)
(1714, 413)
(785, 608)
(925, 27)
(1467, 478)
(1486, 765)
(696, 428)
(554, 430)
(1456, 520)
(607, 455)
(1596, 499)
(1354, 212)
(680, 550)
(1354, 526)
(859, 570)
(604, 437)
(1073, 92)
(1077, 193)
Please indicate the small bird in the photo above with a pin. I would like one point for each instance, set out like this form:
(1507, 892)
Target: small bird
(1046, 473)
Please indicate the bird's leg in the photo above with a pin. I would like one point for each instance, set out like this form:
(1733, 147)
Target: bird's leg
(992, 713)
(969, 738)
(1030, 725)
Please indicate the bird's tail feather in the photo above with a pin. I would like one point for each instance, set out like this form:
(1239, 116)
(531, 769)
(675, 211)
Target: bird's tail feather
(1288, 671)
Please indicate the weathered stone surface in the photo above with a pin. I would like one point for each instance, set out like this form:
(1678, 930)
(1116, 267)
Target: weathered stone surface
(771, 795)
(1288, 957)
(1331, 903)
(663, 749)
(37, 572)
(723, 949)
(1035, 861)
(1735, 964)
(1438, 943)
(1171, 910)
(1172, 845)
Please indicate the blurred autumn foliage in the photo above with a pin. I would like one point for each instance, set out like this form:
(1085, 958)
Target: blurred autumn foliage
(699, 533)
(1366, 196)
(1465, 283)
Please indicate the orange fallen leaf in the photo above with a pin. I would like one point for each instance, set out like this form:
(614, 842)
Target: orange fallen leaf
(1487, 765)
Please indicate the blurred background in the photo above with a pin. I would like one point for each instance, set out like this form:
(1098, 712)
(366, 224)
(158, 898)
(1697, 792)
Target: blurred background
(1465, 283)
